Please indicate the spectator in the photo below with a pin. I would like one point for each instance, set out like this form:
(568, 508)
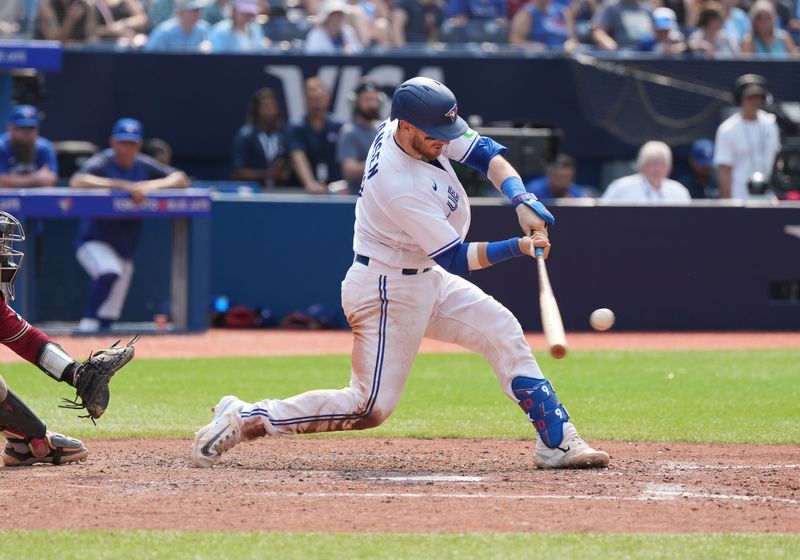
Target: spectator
(700, 180)
(476, 21)
(541, 25)
(736, 21)
(184, 32)
(765, 37)
(159, 150)
(68, 21)
(356, 136)
(370, 19)
(259, 148)
(623, 25)
(710, 38)
(685, 11)
(26, 159)
(668, 39)
(122, 21)
(650, 185)
(106, 247)
(559, 182)
(241, 32)
(17, 18)
(159, 12)
(416, 21)
(216, 10)
(330, 34)
(579, 14)
(311, 142)
(747, 142)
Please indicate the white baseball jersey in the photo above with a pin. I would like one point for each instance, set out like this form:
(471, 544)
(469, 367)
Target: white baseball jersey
(409, 210)
(747, 147)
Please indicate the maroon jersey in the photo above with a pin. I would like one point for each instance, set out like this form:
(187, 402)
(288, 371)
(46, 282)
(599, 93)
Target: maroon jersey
(19, 335)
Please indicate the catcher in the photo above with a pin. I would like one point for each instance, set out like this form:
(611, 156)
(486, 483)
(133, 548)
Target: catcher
(28, 441)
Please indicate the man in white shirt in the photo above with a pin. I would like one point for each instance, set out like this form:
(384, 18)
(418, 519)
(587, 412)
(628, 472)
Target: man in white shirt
(650, 185)
(747, 142)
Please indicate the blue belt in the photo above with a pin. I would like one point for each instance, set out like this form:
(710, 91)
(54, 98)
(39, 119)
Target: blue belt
(361, 259)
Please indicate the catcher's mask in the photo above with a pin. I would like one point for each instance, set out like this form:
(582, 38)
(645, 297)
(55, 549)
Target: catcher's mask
(10, 259)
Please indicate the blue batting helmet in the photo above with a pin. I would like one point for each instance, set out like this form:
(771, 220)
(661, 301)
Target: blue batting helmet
(429, 106)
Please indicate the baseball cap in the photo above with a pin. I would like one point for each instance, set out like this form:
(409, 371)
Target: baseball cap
(331, 7)
(664, 18)
(127, 130)
(24, 116)
(247, 7)
(186, 5)
(703, 151)
(754, 89)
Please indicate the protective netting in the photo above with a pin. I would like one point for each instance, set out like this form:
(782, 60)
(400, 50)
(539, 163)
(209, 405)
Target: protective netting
(636, 105)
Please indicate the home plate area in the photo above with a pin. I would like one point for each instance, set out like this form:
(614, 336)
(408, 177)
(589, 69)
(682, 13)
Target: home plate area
(407, 485)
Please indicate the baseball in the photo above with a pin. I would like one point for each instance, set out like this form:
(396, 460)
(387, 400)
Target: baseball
(601, 319)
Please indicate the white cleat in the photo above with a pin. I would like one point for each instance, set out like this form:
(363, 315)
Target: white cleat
(572, 453)
(224, 431)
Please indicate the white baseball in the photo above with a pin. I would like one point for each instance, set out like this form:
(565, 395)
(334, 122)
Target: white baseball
(601, 319)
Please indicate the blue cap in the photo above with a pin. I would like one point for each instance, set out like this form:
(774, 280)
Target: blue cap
(127, 130)
(24, 116)
(703, 151)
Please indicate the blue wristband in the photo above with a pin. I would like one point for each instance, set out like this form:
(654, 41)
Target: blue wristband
(499, 251)
(512, 187)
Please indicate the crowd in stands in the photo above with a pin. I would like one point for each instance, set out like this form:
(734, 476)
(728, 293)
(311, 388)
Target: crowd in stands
(712, 28)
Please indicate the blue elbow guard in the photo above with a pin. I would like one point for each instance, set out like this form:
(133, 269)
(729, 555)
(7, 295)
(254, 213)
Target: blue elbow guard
(539, 401)
(531, 202)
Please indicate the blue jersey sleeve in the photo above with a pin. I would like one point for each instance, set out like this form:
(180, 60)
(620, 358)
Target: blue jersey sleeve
(154, 168)
(96, 165)
(474, 150)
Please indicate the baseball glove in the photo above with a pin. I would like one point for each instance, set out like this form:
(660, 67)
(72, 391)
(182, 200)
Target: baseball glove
(92, 376)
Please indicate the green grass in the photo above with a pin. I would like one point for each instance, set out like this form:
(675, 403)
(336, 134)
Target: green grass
(89, 545)
(730, 397)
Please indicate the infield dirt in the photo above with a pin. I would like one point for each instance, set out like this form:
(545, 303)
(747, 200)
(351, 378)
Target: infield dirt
(404, 485)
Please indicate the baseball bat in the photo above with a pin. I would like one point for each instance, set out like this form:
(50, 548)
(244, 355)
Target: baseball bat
(552, 325)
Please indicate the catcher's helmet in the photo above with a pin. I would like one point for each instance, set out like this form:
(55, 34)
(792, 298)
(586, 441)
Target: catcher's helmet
(429, 106)
(10, 232)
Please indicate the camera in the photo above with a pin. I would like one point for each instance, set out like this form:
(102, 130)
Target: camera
(757, 184)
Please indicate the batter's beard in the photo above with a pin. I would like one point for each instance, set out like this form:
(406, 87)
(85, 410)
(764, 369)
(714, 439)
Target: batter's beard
(427, 151)
(23, 151)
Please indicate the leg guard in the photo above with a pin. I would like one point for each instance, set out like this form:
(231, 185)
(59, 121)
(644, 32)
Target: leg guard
(539, 401)
(18, 420)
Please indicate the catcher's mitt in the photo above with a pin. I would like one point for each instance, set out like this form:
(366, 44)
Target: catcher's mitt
(92, 376)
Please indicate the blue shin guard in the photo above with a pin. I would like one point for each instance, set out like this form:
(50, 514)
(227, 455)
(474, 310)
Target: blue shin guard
(539, 401)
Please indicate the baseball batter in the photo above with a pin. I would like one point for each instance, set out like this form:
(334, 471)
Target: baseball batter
(406, 282)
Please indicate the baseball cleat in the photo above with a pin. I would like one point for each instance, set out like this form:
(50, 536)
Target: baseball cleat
(52, 448)
(3, 389)
(224, 431)
(572, 453)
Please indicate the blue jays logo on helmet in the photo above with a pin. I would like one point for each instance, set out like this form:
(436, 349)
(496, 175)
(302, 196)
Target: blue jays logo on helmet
(429, 106)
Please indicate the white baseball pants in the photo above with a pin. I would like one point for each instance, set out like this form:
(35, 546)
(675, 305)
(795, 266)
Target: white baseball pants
(99, 258)
(390, 313)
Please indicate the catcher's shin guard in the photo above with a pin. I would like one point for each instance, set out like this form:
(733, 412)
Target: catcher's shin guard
(18, 420)
(539, 401)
